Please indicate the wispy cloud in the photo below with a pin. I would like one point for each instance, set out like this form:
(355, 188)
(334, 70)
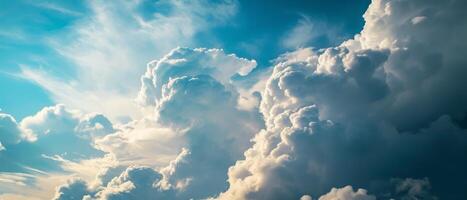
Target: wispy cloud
(57, 8)
(308, 31)
(300, 35)
(111, 48)
(13, 34)
(15, 178)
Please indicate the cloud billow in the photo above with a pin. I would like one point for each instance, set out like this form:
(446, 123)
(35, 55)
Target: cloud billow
(195, 100)
(54, 134)
(387, 104)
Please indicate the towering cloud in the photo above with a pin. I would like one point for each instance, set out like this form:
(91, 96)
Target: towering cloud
(193, 94)
(389, 103)
(195, 107)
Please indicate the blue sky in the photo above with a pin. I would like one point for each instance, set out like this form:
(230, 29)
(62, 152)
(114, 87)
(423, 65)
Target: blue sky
(233, 99)
(30, 29)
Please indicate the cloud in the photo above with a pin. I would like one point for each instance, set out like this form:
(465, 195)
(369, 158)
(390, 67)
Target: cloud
(133, 183)
(39, 186)
(383, 111)
(136, 183)
(413, 189)
(62, 143)
(17, 197)
(347, 193)
(13, 178)
(190, 62)
(142, 142)
(404, 189)
(418, 19)
(72, 190)
(58, 8)
(66, 132)
(311, 32)
(109, 49)
(9, 130)
(196, 130)
(192, 93)
(306, 197)
(300, 35)
(190, 90)
(385, 104)
(25, 161)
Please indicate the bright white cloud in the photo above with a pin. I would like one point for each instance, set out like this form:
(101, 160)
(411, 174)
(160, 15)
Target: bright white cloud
(143, 142)
(347, 193)
(195, 133)
(182, 62)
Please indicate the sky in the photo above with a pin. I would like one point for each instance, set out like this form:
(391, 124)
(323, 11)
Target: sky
(233, 99)
(59, 38)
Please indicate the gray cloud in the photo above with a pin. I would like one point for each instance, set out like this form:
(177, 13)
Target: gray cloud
(75, 189)
(9, 130)
(135, 183)
(407, 189)
(67, 132)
